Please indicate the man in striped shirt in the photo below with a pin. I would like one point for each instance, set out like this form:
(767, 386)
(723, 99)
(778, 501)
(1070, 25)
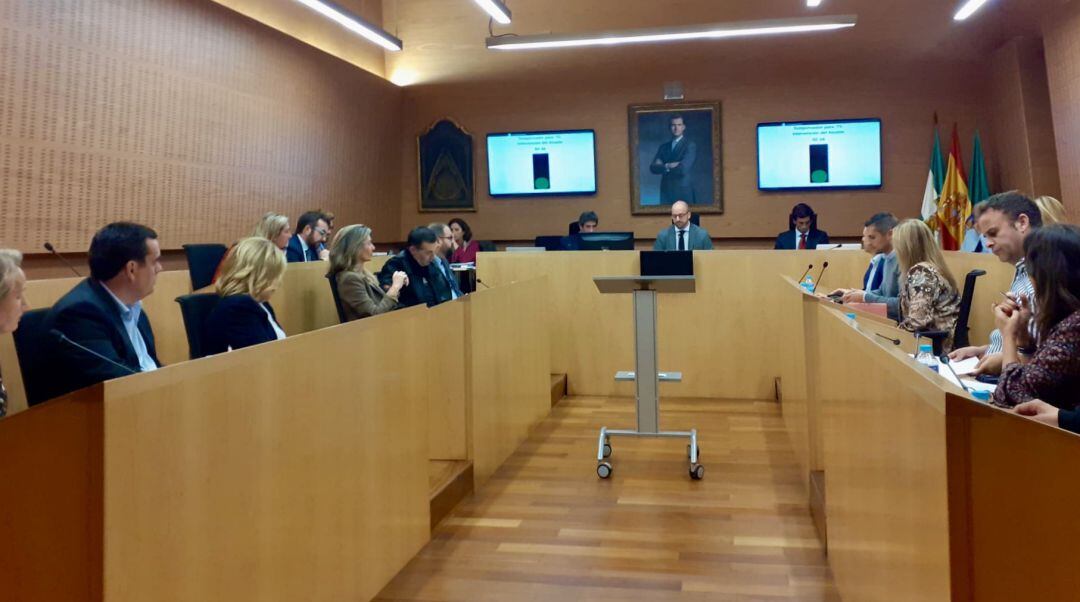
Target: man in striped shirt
(1005, 221)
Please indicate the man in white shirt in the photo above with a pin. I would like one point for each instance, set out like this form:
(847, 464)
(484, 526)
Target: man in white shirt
(446, 246)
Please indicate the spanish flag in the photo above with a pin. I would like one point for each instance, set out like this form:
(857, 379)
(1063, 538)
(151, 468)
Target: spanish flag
(954, 207)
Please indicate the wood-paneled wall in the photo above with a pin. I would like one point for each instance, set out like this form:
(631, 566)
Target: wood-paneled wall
(185, 116)
(1061, 37)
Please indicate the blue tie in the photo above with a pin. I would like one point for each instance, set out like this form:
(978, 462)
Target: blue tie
(682, 242)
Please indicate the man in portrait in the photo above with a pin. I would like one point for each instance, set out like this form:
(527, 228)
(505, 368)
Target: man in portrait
(674, 162)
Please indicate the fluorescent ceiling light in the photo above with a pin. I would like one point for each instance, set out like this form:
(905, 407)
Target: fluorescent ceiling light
(968, 9)
(496, 9)
(813, 3)
(674, 34)
(353, 23)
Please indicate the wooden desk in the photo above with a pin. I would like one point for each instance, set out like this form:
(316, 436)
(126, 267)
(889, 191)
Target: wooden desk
(728, 338)
(292, 470)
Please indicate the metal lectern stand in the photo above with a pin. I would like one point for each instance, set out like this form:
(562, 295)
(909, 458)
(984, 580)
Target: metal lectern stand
(645, 374)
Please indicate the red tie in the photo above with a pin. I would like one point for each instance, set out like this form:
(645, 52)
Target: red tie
(802, 241)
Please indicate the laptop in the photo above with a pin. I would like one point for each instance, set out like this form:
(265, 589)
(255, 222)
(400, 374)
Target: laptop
(667, 263)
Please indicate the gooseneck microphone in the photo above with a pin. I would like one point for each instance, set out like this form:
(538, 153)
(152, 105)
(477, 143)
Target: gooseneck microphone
(63, 337)
(51, 249)
(808, 268)
(889, 339)
(944, 359)
(822, 273)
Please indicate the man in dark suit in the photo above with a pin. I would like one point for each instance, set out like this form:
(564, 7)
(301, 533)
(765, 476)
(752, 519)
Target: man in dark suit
(802, 231)
(441, 265)
(104, 312)
(674, 162)
(425, 285)
(312, 230)
(683, 235)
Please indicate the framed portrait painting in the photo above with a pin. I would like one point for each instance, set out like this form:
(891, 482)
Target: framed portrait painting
(675, 156)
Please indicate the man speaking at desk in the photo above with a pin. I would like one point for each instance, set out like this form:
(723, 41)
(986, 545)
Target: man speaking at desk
(674, 162)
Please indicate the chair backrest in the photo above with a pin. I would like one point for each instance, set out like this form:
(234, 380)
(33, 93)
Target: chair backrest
(195, 309)
(695, 219)
(331, 278)
(31, 340)
(486, 246)
(203, 262)
(960, 336)
(573, 228)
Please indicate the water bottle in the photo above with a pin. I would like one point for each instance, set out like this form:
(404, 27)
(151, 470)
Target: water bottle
(853, 318)
(808, 284)
(926, 357)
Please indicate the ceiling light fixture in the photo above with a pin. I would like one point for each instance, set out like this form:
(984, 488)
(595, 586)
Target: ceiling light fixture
(497, 10)
(813, 3)
(968, 9)
(353, 23)
(674, 34)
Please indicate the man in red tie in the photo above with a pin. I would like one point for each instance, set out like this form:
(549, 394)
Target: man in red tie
(802, 231)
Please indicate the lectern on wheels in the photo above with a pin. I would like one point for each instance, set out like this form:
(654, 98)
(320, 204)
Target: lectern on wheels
(645, 374)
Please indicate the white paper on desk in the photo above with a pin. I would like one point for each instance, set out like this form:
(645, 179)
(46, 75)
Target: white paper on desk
(970, 383)
(965, 366)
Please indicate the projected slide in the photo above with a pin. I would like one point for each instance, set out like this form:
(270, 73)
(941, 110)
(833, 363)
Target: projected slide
(819, 154)
(542, 163)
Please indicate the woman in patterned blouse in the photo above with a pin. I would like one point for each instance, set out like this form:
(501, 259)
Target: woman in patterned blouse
(1052, 374)
(12, 302)
(928, 295)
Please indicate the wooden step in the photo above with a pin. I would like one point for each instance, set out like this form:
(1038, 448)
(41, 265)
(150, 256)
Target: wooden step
(449, 481)
(558, 388)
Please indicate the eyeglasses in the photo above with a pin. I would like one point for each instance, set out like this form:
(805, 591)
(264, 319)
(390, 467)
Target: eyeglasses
(321, 231)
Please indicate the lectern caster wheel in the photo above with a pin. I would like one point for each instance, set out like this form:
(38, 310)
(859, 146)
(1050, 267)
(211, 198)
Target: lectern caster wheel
(688, 451)
(603, 470)
(607, 450)
(697, 472)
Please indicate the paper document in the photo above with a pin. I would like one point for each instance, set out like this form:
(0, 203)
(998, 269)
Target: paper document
(967, 366)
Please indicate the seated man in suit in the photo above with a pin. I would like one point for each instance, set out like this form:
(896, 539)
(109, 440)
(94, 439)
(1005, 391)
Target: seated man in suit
(802, 231)
(682, 235)
(104, 313)
(243, 317)
(588, 222)
(881, 283)
(306, 245)
(447, 246)
(425, 285)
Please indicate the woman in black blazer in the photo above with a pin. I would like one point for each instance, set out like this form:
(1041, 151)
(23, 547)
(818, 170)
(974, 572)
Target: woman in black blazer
(250, 275)
(359, 291)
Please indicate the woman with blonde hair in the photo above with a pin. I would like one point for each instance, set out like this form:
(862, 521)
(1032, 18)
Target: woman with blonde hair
(1053, 212)
(928, 294)
(275, 228)
(243, 317)
(359, 290)
(12, 302)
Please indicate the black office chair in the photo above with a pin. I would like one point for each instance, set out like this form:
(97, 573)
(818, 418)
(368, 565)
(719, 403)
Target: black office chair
(695, 219)
(573, 228)
(195, 309)
(960, 332)
(550, 243)
(331, 278)
(202, 262)
(486, 246)
(31, 340)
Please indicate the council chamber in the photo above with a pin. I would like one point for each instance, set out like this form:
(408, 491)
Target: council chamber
(530, 300)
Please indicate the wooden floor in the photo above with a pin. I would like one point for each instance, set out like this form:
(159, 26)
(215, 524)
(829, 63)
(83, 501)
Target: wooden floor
(546, 528)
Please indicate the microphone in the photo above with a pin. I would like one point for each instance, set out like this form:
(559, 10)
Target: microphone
(838, 245)
(818, 281)
(808, 268)
(63, 337)
(889, 339)
(51, 249)
(944, 359)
